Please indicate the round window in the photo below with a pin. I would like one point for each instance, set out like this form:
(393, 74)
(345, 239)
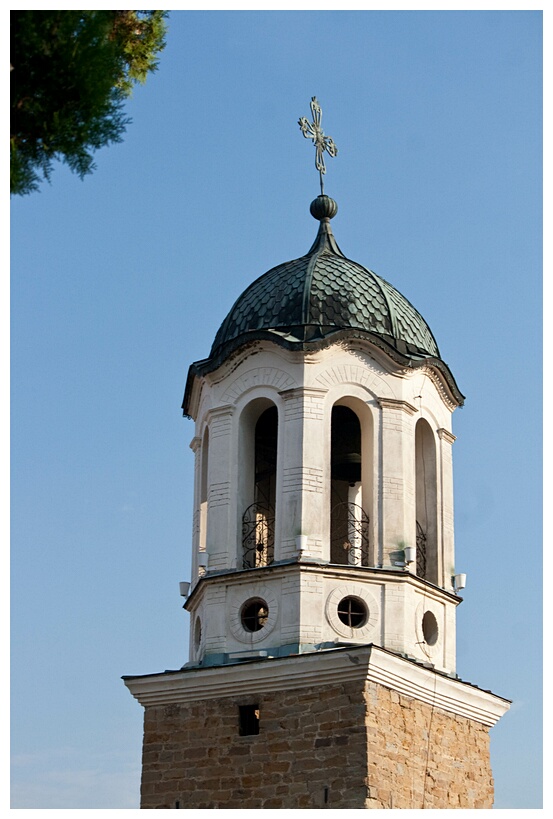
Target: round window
(353, 612)
(429, 628)
(254, 614)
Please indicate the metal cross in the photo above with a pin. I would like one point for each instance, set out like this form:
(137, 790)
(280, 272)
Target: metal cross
(313, 130)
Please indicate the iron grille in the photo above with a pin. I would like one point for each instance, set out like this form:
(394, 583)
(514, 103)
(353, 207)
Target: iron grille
(258, 536)
(421, 551)
(349, 535)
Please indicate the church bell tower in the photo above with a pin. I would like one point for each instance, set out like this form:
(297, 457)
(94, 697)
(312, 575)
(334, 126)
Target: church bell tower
(323, 591)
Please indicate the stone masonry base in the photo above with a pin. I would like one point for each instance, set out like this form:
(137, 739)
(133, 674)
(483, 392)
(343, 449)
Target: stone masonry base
(351, 744)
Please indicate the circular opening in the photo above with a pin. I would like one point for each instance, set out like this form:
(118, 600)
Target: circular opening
(429, 628)
(352, 612)
(197, 633)
(254, 614)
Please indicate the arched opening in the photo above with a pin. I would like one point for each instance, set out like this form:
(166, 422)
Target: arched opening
(426, 502)
(260, 439)
(349, 522)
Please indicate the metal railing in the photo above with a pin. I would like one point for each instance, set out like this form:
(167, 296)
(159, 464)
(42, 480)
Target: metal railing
(258, 536)
(349, 535)
(421, 551)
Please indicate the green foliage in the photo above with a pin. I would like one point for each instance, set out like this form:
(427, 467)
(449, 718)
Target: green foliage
(70, 74)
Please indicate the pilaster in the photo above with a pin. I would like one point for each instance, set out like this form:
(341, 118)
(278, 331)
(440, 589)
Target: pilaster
(196, 447)
(397, 479)
(304, 467)
(446, 506)
(221, 515)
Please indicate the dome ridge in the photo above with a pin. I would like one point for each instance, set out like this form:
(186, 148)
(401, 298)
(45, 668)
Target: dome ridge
(324, 243)
(303, 301)
(320, 293)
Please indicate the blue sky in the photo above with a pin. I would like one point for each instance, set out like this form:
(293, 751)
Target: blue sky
(121, 281)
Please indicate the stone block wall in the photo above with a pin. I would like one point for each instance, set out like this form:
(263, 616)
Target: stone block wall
(349, 745)
(309, 740)
(424, 757)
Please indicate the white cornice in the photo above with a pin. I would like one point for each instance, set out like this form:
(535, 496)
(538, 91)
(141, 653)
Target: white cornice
(446, 435)
(441, 385)
(362, 663)
(222, 411)
(306, 565)
(195, 443)
(233, 361)
(195, 396)
(300, 392)
(395, 403)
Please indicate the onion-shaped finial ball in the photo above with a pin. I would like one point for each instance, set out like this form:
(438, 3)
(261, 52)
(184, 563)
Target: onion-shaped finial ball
(323, 207)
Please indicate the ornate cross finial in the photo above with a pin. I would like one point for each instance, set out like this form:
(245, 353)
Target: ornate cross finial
(313, 130)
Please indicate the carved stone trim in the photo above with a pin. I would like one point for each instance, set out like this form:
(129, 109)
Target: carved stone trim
(237, 598)
(446, 435)
(362, 663)
(438, 382)
(258, 377)
(195, 443)
(218, 412)
(233, 361)
(195, 392)
(397, 404)
(299, 392)
(365, 632)
(362, 375)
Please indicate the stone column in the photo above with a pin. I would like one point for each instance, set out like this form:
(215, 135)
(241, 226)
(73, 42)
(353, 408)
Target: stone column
(397, 478)
(221, 511)
(195, 446)
(446, 508)
(355, 499)
(303, 467)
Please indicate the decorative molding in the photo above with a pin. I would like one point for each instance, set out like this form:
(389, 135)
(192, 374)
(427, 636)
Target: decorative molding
(226, 410)
(301, 392)
(196, 395)
(258, 377)
(361, 374)
(365, 632)
(438, 378)
(316, 669)
(446, 435)
(369, 354)
(397, 404)
(233, 361)
(440, 385)
(237, 598)
(195, 444)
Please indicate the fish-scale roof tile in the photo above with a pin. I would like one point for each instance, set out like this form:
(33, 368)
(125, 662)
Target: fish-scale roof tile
(325, 289)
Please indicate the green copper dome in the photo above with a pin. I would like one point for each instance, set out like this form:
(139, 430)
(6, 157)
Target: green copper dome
(322, 293)
(320, 298)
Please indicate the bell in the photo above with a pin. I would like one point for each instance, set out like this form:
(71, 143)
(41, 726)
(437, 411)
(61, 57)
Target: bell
(346, 466)
(346, 446)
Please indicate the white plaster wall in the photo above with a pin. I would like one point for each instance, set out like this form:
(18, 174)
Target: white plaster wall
(303, 609)
(304, 388)
(395, 617)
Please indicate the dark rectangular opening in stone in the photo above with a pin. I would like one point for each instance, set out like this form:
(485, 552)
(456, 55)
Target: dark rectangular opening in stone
(248, 720)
